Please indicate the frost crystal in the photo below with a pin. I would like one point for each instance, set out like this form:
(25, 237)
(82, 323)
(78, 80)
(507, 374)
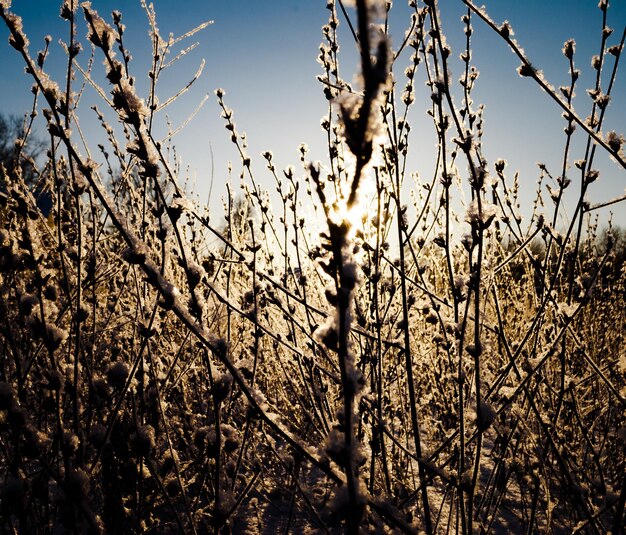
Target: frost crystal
(54, 336)
(481, 215)
(100, 33)
(126, 100)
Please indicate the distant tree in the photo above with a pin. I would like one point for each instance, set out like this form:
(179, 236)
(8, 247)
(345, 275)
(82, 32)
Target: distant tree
(20, 151)
(613, 241)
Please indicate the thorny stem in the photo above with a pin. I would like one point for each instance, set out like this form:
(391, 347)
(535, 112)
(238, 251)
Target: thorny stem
(379, 354)
(348, 379)
(409, 371)
(476, 280)
(417, 441)
(359, 135)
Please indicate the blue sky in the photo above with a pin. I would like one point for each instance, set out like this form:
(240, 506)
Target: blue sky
(263, 53)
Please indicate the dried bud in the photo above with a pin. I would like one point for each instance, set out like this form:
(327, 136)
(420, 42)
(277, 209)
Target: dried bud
(145, 440)
(615, 141)
(569, 48)
(117, 374)
(526, 69)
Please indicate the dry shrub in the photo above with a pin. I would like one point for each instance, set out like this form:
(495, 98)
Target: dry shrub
(387, 373)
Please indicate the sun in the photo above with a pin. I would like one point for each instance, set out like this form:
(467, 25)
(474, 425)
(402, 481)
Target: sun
(358, 214)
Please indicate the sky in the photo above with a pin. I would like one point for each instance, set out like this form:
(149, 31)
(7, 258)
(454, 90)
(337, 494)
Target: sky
(263, 54)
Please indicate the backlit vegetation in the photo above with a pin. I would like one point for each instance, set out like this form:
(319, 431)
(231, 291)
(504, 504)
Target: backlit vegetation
(361, 351)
